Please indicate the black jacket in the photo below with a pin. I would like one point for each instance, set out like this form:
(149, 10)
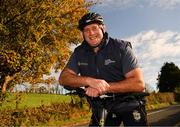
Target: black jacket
(111, 62)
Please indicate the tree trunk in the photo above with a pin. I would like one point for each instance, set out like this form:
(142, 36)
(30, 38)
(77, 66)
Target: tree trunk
(7, 80)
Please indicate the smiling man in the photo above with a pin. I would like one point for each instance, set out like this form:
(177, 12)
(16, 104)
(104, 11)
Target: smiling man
(106, 66)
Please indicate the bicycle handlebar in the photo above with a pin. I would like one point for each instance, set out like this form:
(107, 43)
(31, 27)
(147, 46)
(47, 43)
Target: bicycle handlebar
(102, 118)
(81, 92)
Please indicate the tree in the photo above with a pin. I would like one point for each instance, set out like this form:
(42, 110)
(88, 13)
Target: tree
(169, 77)
(35, 35)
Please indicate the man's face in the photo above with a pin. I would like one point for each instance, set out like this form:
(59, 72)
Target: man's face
(93, 34)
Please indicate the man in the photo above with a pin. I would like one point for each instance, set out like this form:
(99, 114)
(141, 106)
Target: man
(106, 66)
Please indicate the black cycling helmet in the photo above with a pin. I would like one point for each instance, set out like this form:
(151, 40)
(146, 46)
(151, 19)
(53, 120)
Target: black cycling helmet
(90, 18)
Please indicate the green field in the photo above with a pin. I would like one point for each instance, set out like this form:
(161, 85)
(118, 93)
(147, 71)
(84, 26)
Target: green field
(33, 100)
(59, 114)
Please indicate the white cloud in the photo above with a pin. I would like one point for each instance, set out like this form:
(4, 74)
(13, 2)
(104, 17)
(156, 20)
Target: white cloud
(165, 4)
(153, 49)
(123, 4)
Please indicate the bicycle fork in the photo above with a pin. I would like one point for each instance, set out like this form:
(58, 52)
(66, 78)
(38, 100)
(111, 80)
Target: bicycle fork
(103, 117)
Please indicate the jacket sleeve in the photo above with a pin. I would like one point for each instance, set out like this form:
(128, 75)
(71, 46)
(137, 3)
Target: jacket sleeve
(73, 63)
(129, 60)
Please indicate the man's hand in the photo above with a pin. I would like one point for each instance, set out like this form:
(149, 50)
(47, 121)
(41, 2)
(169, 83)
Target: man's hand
(92, 92)
(100, 85)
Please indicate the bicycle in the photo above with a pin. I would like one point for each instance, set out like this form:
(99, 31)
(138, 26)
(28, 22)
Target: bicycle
(104, 112)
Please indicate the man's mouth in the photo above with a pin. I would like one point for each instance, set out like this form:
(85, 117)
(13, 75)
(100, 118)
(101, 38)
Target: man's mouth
(93, 37)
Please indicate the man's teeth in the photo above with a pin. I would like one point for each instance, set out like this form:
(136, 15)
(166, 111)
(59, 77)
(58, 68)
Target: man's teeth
(92, 38)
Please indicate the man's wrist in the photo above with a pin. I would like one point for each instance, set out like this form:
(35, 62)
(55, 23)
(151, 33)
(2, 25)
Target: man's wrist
(87, 81)
(112, 88)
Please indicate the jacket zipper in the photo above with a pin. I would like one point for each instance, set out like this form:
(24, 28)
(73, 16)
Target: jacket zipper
(97, 69)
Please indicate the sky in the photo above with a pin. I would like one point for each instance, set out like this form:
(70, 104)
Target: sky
(152, 26)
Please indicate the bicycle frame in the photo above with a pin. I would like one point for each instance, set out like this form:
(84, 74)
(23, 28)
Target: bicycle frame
(103, 116)
(81, 93)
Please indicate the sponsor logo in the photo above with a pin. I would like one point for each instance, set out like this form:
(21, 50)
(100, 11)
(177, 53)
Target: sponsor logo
(136, 115)
(114, 115)
(82, 64)
(108, 61)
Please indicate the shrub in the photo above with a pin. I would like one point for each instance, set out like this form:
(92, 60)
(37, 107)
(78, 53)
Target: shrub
(44, 115)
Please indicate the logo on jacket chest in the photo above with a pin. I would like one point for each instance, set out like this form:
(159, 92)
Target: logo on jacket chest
(108, 61)
(82, 64)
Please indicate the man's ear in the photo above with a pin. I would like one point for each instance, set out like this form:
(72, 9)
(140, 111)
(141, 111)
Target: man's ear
(103, 27)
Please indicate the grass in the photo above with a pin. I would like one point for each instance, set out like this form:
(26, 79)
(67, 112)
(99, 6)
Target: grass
(33, 100)
(70, 122)
(160, 105)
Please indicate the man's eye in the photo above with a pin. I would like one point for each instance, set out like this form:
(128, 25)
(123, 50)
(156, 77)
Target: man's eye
(94, 28)
(91, 29)
(86, 30)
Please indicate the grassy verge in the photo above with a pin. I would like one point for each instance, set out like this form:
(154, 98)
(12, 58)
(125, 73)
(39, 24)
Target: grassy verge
(69, 111)
(33, 100)
(160, 105)
(72, 122)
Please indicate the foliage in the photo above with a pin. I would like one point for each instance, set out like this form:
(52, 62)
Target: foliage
(3, 98)
(62, 113)
(155, 98)
(52, 115)
(159, 100)
(177, 89)
(35, 36)
(177, 97)
(169, 78)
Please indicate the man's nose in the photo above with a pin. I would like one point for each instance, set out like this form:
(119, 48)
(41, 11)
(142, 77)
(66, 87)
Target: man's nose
(91, 32)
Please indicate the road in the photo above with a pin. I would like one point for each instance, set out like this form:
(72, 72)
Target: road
(169, 116)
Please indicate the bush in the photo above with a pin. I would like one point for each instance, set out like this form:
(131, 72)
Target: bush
(177, 97)
(155, 99)
(44, 115)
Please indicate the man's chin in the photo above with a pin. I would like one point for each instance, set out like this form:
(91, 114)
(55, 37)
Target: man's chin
(95, 44)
